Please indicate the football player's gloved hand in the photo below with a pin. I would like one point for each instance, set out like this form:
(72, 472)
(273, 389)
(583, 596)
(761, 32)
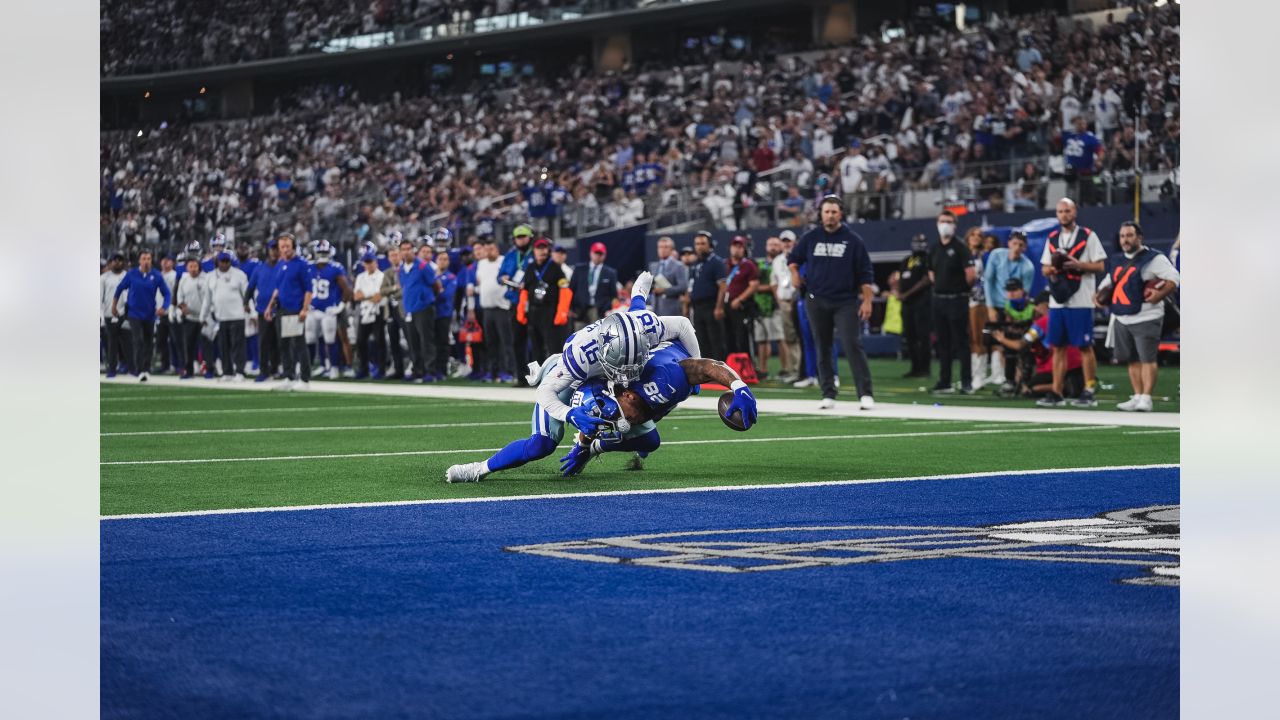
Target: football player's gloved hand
(643, 284)
(584, 421)
(576, 460)
(744, 401)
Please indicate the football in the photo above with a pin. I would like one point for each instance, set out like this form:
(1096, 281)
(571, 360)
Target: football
(735, 420)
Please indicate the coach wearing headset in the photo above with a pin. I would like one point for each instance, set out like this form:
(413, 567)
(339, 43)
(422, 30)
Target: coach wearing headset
(837, 269)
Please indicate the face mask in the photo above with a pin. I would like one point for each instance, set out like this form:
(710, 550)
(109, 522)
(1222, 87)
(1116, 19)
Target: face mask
(1018, 304)
(946, 229)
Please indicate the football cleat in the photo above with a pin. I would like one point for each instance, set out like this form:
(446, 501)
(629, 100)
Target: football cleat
(467, 472)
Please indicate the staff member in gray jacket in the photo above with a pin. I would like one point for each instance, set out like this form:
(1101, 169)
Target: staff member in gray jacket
(191, 304)
(837, 268)
(666, 300)
(227, 288)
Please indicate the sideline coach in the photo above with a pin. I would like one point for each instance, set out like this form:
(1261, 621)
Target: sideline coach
(837, 268)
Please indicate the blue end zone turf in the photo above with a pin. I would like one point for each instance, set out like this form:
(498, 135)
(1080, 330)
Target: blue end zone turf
(425, 611)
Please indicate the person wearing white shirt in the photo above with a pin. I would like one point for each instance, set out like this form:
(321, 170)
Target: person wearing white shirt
(494, 314)
(226, 290)
(370, 343)
(785, 292)
(1137, 311)
(853, 166)
(1072, 256)
(191, 302)
(107, 284)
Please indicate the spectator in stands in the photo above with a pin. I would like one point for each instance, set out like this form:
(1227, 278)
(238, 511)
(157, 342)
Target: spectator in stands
(853, 171)
(227, 287)
(706, 296)
(674, 281)
(141, 284)
(108, 282)
(837, 268)
(1072, 257)
(1135, 289)
(1001, 265)
(1083, 153)
(792, 209)
(952, 275)
(739, 296)
(917, 306)
(594, 287)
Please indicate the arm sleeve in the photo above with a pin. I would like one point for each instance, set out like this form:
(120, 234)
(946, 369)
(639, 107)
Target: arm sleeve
(164, 290)
(548, 395)
(1163, 269)
(678, 328)
(124, 285)
(1028, 273)
(866, 271)
(1093, 249)
(681, 283)
(250, 285)
(989, 282)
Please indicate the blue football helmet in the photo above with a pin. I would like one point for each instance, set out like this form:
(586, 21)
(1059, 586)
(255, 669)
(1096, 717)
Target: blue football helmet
(218, 242)
(444, 237)
(323, 251)
(598, 400)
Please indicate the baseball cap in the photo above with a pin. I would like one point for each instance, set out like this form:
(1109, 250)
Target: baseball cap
(224, 255)
(558, 248)
(598, 247)
(542, 242)
(369, 256)
(686, 250)
(522, 231)
(786, 235)
(740, 240)
(1017, 234)
(116, 256)
(703, 233)
(1013, 283)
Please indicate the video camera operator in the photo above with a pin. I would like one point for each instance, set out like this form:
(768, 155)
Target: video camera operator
(1014, 321)
(1034, 357)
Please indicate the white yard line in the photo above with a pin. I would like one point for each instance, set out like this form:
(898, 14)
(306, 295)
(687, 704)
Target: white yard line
(354, 428)
(725, 441)
(1150, 432)
(707, 401)
(612, 493)
(311, 408)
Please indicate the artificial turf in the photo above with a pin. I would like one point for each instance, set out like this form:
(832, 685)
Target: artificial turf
(397, 458)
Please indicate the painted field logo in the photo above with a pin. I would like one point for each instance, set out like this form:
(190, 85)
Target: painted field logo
(1146, 539)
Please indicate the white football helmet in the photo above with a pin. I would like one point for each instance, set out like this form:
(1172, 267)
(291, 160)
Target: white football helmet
(624, 348)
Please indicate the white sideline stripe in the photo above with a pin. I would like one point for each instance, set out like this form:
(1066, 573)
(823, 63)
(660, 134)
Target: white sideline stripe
(332, 428)
(1150, 432)
(139, 397)
(768, 405)
(649, 491)
(312, 408)
(875, 436)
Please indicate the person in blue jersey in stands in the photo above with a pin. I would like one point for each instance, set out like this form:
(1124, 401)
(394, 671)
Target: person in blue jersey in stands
(142, 283)
(330, 292)
(262, 284)
(292, 299)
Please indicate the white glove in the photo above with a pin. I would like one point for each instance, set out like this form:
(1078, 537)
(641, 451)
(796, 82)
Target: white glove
(335, 309)
(642, 285)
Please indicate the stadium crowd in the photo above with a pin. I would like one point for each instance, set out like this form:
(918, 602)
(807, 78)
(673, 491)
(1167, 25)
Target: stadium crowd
(863, 121)
(148, 36)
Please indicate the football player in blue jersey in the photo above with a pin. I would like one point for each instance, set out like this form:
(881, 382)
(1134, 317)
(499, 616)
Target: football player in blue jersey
(210, 263)
(329, 293)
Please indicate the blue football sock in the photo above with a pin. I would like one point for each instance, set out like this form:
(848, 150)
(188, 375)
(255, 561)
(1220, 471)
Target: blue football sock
(519, 452)
(646, 444)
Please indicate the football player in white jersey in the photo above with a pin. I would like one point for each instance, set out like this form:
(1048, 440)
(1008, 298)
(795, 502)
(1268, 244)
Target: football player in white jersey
(614, 348)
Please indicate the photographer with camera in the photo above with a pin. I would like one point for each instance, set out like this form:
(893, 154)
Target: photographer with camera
(1035, 358)
(1135, 288)
(1013, 320)
(1003, 266)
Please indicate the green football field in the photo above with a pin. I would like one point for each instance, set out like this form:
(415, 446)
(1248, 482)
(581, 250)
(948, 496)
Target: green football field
(170, 449)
